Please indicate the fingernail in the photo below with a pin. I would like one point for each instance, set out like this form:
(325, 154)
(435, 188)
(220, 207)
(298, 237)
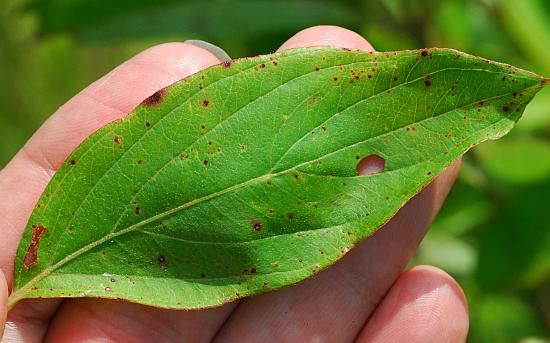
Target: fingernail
(213, 49)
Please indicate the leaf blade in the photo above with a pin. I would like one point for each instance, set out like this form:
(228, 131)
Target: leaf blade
(289, 183)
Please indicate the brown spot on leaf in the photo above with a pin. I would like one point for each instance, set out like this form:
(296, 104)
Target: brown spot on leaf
(73, 162)
(256, 226)
(506, 108)
(227, 64)
(118, 140)
(424, 53)
(161, 261)
(138, 210)
(205, 102)
(31, 255)
(154, 99)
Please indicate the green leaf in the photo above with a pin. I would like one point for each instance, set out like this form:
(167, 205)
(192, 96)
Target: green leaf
(242, 178)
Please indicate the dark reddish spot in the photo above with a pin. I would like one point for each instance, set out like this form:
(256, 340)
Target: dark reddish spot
(256, 226)
(274, 63)
(138, 210)
(427, 82)
(117, 140)
(345, 49)
(161, 261)
(371, 164)
(335, 78)
(73, 162)
(424, 53)
(506, 108)
(253, 270)
(31, 255)
(227, 64)
(205, 102)
(262, 65)
(205, 162)
(154, 99)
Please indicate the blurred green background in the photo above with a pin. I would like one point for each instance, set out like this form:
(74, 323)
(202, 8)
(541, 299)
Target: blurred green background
(493, 234)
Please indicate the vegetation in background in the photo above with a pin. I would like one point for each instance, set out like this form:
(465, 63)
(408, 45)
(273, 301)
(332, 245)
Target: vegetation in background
(493, 234)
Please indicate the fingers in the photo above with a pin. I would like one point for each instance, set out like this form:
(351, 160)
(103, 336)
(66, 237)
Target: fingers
(424, 305)
(3, 303)
(335, 304)
(86, 320)
(327, 35)
(107, 99)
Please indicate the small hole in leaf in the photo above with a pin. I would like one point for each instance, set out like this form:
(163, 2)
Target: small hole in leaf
(371, 164)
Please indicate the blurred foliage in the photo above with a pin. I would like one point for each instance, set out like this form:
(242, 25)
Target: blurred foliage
(493, 233)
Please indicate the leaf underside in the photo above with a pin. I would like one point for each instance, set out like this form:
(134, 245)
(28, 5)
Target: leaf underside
(242, 178)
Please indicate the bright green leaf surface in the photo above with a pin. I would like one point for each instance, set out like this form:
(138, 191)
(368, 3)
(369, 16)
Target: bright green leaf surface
(242, 178)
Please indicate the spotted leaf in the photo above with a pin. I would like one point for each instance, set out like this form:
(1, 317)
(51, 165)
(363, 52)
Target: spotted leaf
(242, 178)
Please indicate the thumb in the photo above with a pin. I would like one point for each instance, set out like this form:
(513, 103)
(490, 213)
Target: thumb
(3, 303)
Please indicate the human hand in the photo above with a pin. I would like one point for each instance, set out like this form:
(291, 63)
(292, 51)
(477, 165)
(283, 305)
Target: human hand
(364, 297)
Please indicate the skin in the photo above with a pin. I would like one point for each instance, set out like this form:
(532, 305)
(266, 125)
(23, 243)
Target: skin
(365, 297)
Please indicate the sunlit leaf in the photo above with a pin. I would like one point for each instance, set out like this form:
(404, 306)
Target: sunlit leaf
(242, 178)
